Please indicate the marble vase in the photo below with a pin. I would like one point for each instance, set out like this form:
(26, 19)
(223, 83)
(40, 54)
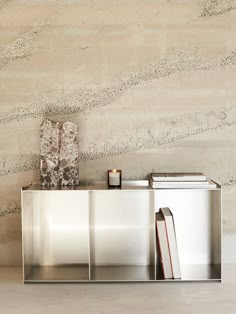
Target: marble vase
(59, 153)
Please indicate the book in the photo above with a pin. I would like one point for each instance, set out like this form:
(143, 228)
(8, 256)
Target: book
(181, 182)
(172, 241)
(183, 185)
(162, 243)
(178, 176)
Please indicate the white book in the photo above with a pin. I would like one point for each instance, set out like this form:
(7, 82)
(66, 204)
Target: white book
(181, 182)
(172, 241)
(183, 185)
(188, 176)
(162, 243)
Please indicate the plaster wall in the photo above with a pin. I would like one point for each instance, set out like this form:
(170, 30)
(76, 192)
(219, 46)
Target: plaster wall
(152, 85)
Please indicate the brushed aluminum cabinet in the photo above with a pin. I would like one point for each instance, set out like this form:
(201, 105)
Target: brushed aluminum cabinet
(93, 234)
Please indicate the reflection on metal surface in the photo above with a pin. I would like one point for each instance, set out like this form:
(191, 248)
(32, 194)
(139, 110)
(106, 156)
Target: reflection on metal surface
(59, 273)
(123, 273)
(192, 272)
(80, 273)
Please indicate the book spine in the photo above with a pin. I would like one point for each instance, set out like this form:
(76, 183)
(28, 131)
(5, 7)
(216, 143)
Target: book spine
(159, 250)
(168, 243)
(179, 179)
(184, 186)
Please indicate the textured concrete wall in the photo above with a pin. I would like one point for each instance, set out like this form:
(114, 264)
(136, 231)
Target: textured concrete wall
(151, 83)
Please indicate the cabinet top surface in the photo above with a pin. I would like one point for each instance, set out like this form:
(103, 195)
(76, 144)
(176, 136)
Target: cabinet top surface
(134, 185)
(98, 186)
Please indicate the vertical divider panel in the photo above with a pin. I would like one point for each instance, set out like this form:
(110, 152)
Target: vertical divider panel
(91, 235)
(153, 202)
(89, 226)
(37, 248)
(216, 229)
(27, 234)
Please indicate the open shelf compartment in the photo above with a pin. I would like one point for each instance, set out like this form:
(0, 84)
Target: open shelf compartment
(122, 244)
(55, 235)
(197, 219)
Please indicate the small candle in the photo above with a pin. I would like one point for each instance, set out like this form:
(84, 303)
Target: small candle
(114, 178)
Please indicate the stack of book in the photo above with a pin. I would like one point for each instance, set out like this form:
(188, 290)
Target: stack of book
(167, 244)
(180, 181)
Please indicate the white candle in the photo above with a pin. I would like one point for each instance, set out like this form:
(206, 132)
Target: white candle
(114, 178)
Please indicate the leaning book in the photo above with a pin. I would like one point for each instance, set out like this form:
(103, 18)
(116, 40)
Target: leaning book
(162, 247)
(172, 241)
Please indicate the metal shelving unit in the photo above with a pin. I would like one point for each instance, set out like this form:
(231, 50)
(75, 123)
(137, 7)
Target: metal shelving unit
(89, 233)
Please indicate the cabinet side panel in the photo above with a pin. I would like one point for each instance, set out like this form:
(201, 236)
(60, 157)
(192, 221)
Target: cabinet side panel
(91, 237)
(216, 227)
(27, 232)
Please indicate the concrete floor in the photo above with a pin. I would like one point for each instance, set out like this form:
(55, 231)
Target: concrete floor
(119, 298)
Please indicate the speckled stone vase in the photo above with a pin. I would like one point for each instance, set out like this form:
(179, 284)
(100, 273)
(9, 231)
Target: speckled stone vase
(59, 153)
